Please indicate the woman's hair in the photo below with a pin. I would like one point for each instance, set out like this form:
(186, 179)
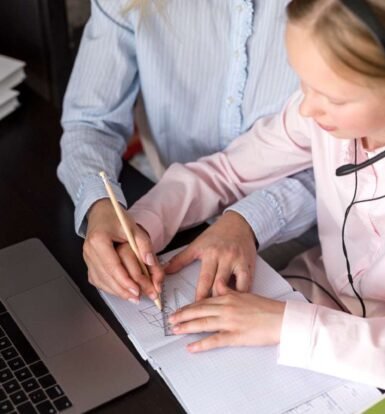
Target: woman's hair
(346, 41)
(143, 5)
(138, 4)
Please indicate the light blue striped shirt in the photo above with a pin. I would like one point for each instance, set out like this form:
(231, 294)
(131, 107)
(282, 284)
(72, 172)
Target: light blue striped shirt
(207, 69)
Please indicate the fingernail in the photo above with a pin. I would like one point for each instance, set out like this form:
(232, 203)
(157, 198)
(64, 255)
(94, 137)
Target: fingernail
(176, 328)
(192, 347)
(171, 319)
(134, 291)
(150, 259)
(153, 296)
(134, 301)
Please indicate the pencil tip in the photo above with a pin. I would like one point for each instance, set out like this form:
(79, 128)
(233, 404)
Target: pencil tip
(158, 303)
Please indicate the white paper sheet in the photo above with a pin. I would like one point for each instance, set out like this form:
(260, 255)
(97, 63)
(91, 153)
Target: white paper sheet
(246, 380)
(346, 399)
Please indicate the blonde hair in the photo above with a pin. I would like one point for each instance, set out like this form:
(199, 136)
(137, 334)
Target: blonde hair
(144, 5)
(346, 41)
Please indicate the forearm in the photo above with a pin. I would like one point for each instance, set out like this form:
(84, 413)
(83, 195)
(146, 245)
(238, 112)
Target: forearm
(281, 211)
(188, 194)
(334, 343)
(85, 152)
(97, 111)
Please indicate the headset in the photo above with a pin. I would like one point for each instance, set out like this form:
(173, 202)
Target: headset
(363, 11)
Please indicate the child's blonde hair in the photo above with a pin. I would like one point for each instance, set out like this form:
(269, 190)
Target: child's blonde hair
(348, 43)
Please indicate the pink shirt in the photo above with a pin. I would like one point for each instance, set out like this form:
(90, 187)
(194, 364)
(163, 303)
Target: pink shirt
(313, 336)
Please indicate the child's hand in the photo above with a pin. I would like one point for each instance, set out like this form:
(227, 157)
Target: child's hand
(238, 319)
(116, 269)
(226, 248)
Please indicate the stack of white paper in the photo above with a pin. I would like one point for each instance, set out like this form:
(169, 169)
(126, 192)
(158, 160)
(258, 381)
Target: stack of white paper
(11, 74)
(232, 380)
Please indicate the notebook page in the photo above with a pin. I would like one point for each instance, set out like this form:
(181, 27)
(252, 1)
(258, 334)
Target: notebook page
(349, 398)
(237, 380)
(144, 322)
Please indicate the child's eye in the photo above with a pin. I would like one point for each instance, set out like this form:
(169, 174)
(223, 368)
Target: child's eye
(338, 103)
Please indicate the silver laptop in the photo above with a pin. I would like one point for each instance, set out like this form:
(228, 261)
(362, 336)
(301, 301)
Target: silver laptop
(56, 353)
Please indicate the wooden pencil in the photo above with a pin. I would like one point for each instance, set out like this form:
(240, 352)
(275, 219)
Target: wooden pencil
(130, 238)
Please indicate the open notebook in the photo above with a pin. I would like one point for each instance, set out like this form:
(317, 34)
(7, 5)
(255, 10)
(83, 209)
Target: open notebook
(232, 380)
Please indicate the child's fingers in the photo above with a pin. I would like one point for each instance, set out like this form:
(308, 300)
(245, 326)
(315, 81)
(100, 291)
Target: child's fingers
(218, 340)
(205, 308)
(197, 325)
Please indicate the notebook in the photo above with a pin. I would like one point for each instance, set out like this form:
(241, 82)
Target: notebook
(8, 102)
(56, 353)
(231, 380)
(11, 73)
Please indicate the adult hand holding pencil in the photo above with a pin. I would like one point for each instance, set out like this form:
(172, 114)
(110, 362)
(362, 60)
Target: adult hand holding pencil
(130, 236)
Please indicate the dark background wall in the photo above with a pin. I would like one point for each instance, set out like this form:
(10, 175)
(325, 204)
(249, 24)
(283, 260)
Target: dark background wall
(45, 34)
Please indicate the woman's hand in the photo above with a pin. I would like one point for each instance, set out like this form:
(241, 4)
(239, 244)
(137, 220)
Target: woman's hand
(114, 268)
(226, 248)
(238, 319)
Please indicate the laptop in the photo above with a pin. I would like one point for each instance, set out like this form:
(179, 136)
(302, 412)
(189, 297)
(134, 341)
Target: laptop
(56, 353)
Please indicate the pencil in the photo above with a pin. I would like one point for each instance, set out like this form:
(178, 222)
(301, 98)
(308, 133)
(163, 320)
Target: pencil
(127, 231)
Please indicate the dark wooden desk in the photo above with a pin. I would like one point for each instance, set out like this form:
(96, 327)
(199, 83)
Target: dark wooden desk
(33, 203)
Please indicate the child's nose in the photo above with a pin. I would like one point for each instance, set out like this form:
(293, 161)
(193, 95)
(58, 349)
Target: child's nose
(310, 106)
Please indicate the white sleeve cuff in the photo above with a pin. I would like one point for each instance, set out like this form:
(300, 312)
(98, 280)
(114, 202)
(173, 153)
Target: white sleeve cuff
(297, 334)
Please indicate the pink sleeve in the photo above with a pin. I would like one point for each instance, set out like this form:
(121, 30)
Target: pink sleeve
(334, 343)
(191, 193)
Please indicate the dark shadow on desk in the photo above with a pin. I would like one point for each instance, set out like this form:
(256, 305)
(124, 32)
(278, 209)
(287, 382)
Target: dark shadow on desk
(36, 31)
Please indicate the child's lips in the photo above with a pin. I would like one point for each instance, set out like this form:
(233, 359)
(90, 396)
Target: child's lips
(326, 127)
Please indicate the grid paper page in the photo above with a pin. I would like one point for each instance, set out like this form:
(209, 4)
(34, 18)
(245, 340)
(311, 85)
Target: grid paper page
(237, 380)
(349, 398)
(144, 322)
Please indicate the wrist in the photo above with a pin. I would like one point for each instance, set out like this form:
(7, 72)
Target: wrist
(241, 221)
(97, 206)
(281, 310)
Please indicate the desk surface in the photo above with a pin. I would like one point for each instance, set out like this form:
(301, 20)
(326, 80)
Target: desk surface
(33, 203)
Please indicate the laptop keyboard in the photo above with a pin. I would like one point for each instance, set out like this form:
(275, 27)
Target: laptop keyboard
(26, 385)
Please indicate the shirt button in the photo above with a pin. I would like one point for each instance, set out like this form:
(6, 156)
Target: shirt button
(236, 54)
(240, 7)
(229, 100)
